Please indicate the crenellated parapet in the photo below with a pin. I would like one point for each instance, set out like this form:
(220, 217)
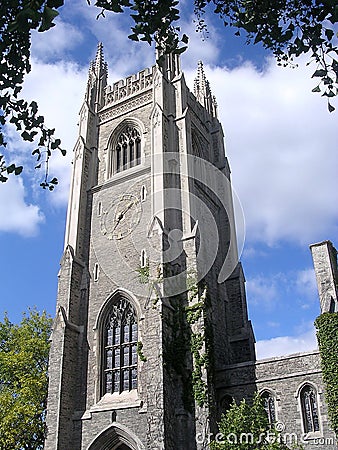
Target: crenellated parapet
(130, 86)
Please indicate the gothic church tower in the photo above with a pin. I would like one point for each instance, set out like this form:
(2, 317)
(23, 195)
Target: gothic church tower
(151, 302)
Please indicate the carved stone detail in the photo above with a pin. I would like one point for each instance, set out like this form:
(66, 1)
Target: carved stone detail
(126, 106)
(122, 314)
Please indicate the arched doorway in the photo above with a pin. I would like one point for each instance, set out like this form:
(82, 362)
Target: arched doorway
(116, 437)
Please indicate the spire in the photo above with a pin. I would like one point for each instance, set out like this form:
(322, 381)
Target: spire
(97, 80)
(202, 91)
(99, 65)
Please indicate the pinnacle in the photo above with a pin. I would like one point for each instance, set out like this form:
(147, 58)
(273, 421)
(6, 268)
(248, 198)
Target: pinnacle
(202, 90)
(99, 59)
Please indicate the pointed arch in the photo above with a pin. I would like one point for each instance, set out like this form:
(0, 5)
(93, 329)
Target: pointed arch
(225, 403)
(125, 146)
(269, 399)
(117, 329)
(116, 437)
(308, 399)
(123, 293)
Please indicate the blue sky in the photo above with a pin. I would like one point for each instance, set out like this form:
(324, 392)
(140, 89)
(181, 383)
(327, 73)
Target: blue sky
(281, 143)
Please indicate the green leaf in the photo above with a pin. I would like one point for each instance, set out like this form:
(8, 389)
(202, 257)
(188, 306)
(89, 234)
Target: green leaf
(330, 107)
(319, 73)
(329, 33)
(18, 170)
(11, 168)
(48, 15)
(185, 39)
(316, 89)
(55, 144)
(133, 37)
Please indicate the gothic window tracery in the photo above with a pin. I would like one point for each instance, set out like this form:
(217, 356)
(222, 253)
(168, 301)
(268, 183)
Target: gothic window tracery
(120, 343)
(269, 406)
(308, 399)
(127, 150)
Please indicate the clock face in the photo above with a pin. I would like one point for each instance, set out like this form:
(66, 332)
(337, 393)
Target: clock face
(122, 217)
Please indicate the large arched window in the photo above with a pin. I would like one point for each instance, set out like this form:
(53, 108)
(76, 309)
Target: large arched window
(308, 400)
(120, 349)
(126, 151)
(269, 406)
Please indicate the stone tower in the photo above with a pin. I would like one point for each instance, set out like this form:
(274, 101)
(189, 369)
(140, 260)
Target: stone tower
(324, 257)
(151, 302)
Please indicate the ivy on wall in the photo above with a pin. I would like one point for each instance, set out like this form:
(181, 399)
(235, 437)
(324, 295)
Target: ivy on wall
(139, 351)
(188, 340)
(327, 335)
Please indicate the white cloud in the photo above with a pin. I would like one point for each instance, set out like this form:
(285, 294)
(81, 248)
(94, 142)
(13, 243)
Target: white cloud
(123, 55)
(56, 42)
(285, 345)
(16, 214)
(267, 290)
(281, 143)
(59, 90)
(263, 290)
(306, 284)
(199, 48)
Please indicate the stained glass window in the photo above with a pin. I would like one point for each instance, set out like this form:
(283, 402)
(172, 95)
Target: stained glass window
(127, 151)
(269, 406)
(308, 400)
(120, 355)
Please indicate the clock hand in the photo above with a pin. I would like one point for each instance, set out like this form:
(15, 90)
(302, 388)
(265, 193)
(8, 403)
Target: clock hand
(122, 213)
(120, 216)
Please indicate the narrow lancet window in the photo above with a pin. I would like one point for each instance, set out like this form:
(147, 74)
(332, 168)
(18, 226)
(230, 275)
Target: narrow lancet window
(120, 355)
(96, 272)
(308, 399)
(143, 259)
(269, 406)
(143, 193)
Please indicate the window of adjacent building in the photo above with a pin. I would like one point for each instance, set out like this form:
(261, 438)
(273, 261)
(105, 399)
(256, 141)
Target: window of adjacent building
(269, 406)
(308, 399)
(127, 150)
(120, 355)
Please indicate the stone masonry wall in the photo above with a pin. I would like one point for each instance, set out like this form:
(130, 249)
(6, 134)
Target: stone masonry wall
(283, 377)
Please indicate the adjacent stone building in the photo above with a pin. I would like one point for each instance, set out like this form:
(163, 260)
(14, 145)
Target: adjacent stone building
(151, 340)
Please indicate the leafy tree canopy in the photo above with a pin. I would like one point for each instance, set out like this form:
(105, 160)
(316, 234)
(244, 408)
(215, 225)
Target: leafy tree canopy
(17, 19)
(24, 351)
(288, 28)
(246, 427)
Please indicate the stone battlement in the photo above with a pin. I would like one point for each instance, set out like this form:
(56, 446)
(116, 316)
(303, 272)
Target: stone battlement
(129, 86)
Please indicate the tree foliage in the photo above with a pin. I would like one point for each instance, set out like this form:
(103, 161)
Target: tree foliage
(288, 28)
(327, 334)
(246, 427)
(17, 19)
(24, 351)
